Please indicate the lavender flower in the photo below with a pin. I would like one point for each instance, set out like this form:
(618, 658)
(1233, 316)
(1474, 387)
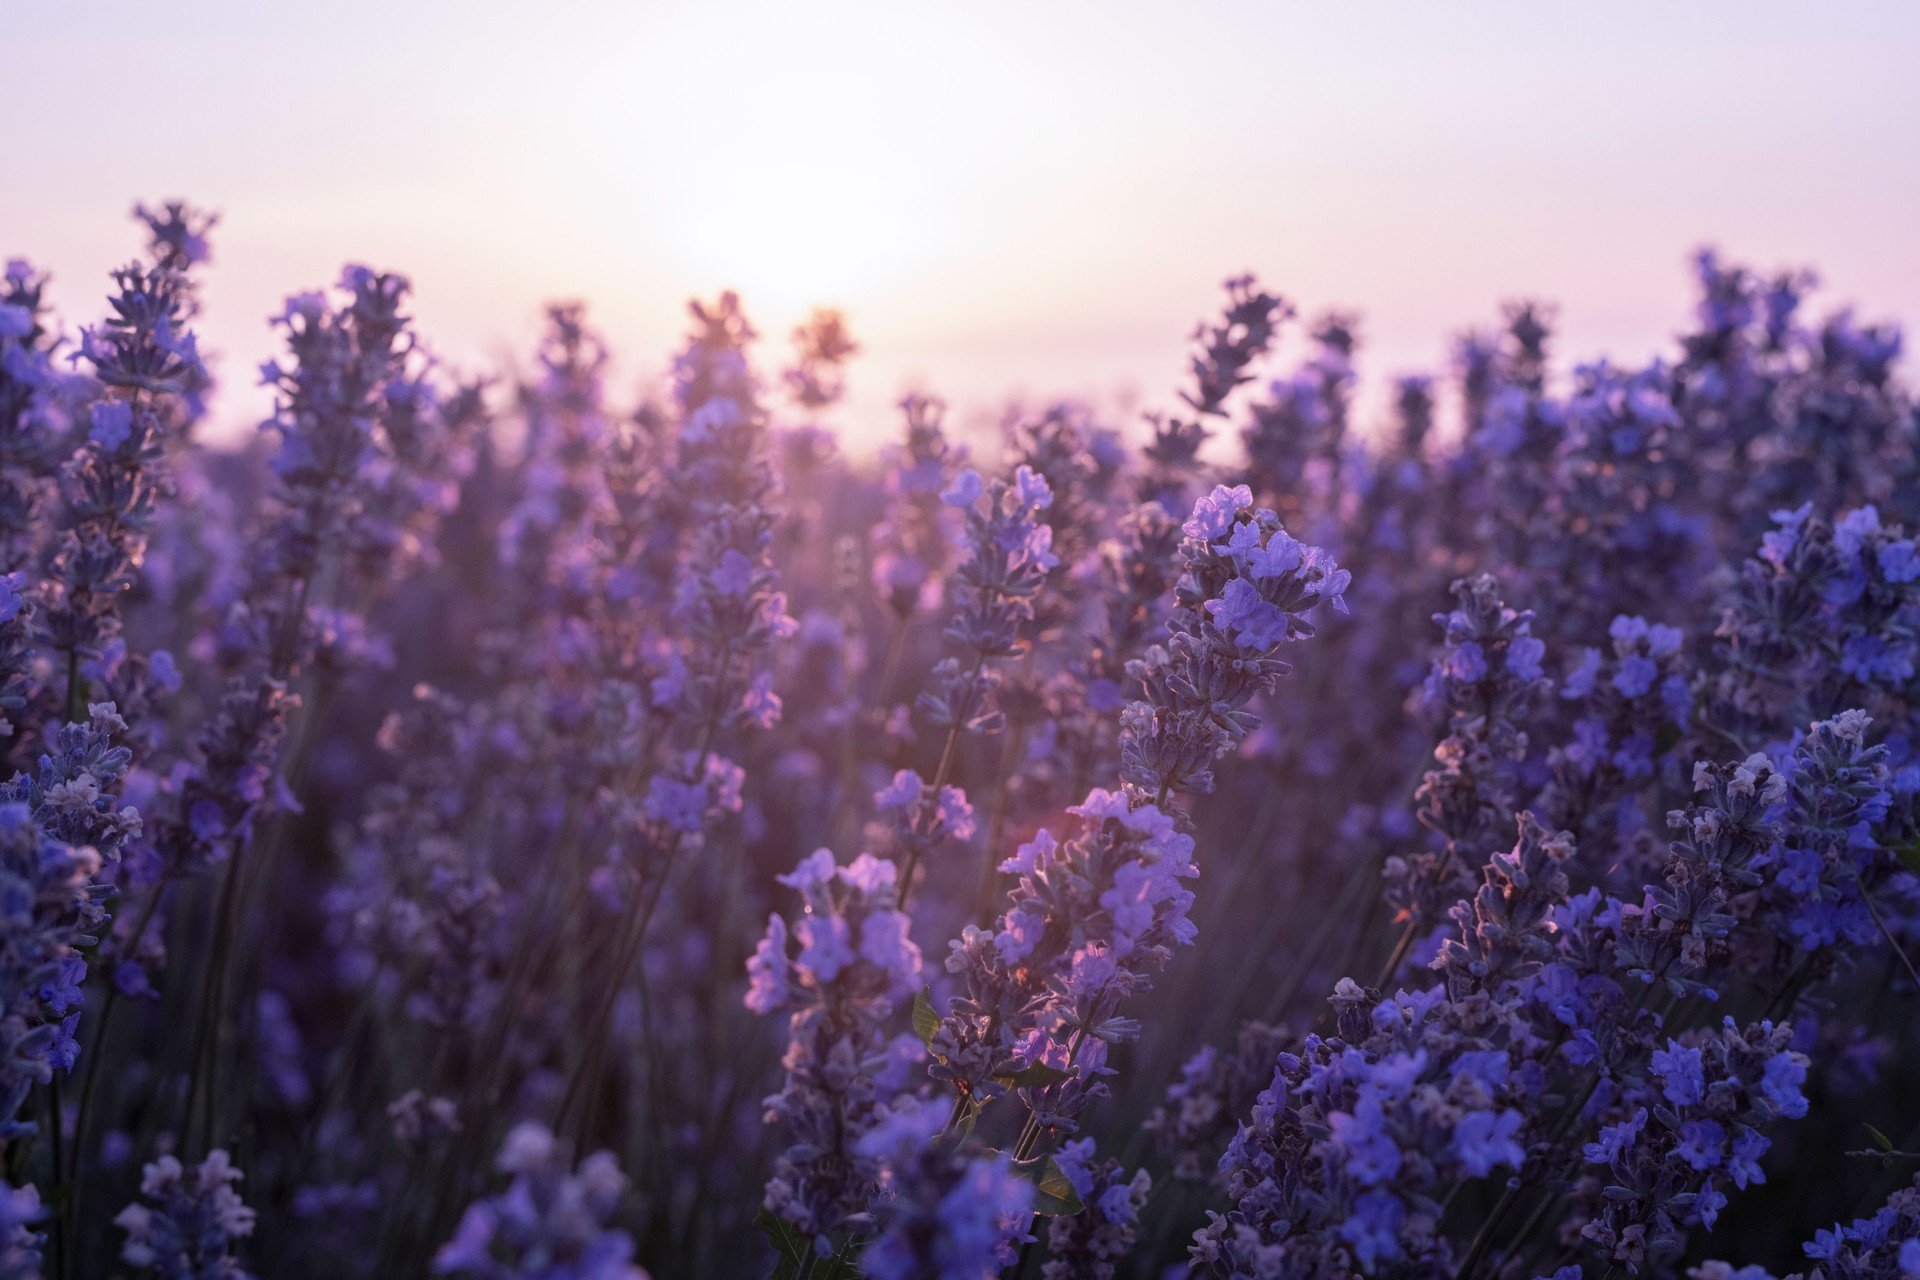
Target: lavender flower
(1709, 1102)
(1247, 588)
(1484, 682)
(1010, 553)
(1227, 350)
(915, 539)
(190, 1223)
(1091, 1244)
(854, 965)
(1090, 922)
(20, 1244)
(550, 1223)
(54, 908)
(939, 1213)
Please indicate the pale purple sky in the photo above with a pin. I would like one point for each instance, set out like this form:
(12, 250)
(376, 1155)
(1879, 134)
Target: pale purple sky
(1036, 197)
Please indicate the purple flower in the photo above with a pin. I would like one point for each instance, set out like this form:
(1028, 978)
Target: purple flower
(1743, 1163)
(551, 1222)
(1483, 1140)
(1709, 1204)
(112, 424)
(1373, 1229)
(680, 806)
(1467, 664)
(1214, 514)
(189, 1219)
(956, 813)
(734, 574)
(1617, 1139)
(885, 944)
(1635, 676)
(1898, 562)
(767, 986)
(1784, 1074)
(1579, 682)
(1702, 1144)
(1360, 1135)
(904, 790)
(1524, 655)
(965, 489)
(825, 947)
(1031, 488)
(1682, 1072)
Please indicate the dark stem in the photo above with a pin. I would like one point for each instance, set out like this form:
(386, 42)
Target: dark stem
(940, 774)
(57, 1136)
(91, 1076)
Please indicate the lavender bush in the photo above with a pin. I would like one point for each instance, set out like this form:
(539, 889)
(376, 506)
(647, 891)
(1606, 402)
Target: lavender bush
(503, 826)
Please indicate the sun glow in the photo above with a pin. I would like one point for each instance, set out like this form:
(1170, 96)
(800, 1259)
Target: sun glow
(804, 154)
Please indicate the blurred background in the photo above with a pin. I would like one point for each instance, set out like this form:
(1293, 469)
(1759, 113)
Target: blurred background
(1010, 202)
(1007, 199)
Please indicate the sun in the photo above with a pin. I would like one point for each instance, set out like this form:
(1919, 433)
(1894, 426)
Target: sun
(799, 154)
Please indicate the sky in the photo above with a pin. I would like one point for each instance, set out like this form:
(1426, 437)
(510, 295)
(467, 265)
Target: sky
(1008, 200)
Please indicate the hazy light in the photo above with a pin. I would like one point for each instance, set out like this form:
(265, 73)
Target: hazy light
(801, 153)
(1003, 196)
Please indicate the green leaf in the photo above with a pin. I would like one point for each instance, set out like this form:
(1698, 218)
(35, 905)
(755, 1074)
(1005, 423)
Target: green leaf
(793, 1251)
(1910, 854)
(790, 1245)
(1880, 1139)
(1053, 1192)
(1034, 1076)
(969, 1114)
(926, 1022)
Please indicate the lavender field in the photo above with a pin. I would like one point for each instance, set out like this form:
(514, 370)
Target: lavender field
(500, 823)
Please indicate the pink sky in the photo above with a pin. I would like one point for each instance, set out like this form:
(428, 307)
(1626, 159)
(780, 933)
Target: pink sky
(1035, 198)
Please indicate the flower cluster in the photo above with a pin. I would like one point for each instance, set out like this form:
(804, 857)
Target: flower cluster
(1247, 589)
(1631, 707)
(190, 1222)
(1822, 882)
(915, 539)
(550, 1222)
(1201, 1110)
(1885, 1246)
(1484, 683)
(1227, 351)
(1091, 920)
(1339, 1166)
(939, 1212)
(840, 972)
(53, 910)
(1680, 929)
(1092, 1244)
(1009, 552)
(1700, 1124)
(20, 1210)
(1824, 619)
